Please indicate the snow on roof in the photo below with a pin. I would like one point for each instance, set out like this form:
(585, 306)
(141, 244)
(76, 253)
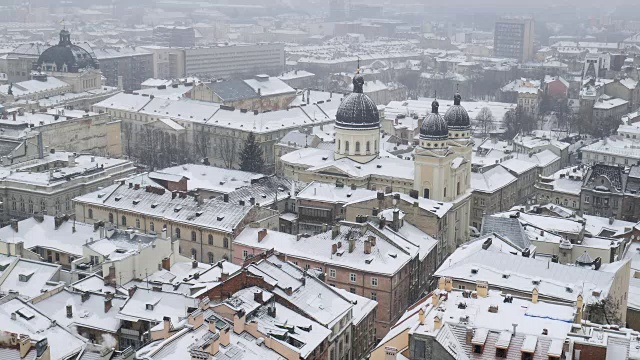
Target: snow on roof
(69, 237)
(423, 107)
(523, 86)
(211, 178)
(596, 225)
(542, 159)
(508, 228)
(89, 313)
(603, 104)
(31, 322)
(153, 306)
(214, 214)
(121, 245)
(31, 87)
(269, 86)
(331, 193)
(311, 296)
(92, 283)
(295, 74)
(30, 278)
(567, 180)
(491, 180)
(615, 145)
(386, 258)
(554, 278)
(545, 222)
(362, 306)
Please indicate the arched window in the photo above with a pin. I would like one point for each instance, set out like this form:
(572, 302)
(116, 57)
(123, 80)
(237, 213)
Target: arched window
(30, 206)
(151, 226)
(426, 193)
(22, 204)
(210, 257)
(357, 147)
(193, 236)
(90, 213)
(177, 233)
(111, 218)
(339, 148)
(368, 147)
(137, 223)
(194, 253)
(225, 243)
(574, 204)
(346, 146)
(124, 220)
(558, 201)
(210, 239)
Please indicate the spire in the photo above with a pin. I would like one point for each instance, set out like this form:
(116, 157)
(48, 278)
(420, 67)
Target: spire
(457, 98)
(435, 105)
(358, 80)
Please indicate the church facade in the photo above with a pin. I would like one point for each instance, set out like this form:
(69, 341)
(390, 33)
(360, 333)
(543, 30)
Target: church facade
(439, 170)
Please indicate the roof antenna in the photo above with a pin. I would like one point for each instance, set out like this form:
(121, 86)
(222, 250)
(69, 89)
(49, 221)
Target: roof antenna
(358, 70)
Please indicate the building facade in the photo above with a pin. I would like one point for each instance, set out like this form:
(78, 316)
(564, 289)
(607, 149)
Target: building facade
(513, 38)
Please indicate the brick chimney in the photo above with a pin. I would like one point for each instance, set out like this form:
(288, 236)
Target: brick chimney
(482, 288)
(166, 263)
(352, 245)
(239, 319)
(437, 321)
(469, 335)
(334, 248)
(421, 316)
(390, 353)
(372, 240)
(335, 231)
(257, 297)
(396, 220)
(367, 246)
(225, 336)
(261, 234)
(215, 345)
(25, 345)
(14, 224)
(108, 304)
(534, 295)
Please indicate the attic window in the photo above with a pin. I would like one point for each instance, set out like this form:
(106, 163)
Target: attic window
(101, 195)
(220, 218)
(368, 260)
(393, 255)
(177, 208)
(26, 313)
(25, 277)
(199, 213)
(349, 195)
(569, 289)
(535, 282)
(264, 196)
(149, 306)
(136, 201)
(121, 251)
(474, 270)
(340, 252)
(505, 276)
(154, 205)
(117, 198)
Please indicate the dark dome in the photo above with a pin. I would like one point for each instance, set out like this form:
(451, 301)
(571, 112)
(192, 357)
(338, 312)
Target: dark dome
(357, 110)
(457, 117)
(434, 127)
(75, 57)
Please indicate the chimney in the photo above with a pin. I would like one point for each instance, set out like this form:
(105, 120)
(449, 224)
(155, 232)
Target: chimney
(352, 245)
(367, 246)
(71, 159)
(69, 311)
(545, 331)
(434, 299)
(437, 322)
(534, 295)
(482, 288)
(396, 220)
(14, 225)
(334, 248)
(215, 345)
(448, 284)
(261, 234)
(252, 201)
(383, 222)
(25, 345)
(390, 353)
(271, 310)
(225, 198)
(515, 327)
(441, 284)
(108, 304)
(238, 322)
(469, 335)
(257, 297)
(579, 304)
(421, 316)
(194, 264)
(224, 336)
(335, 231)
(611, 220)
(166, 263)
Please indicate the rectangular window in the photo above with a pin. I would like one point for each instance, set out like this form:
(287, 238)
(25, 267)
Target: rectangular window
(374, 296)
(332, 273)
(353, 277)
(352, 290)
(586, 199)
(374, 281)
(245, 253)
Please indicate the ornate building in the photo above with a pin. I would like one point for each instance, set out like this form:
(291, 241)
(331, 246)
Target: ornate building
(440, 170)
(70, 63)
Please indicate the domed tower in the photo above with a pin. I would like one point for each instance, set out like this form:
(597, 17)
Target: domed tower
(357, 126)
(458, 120)
(65, 57)
(434, 131)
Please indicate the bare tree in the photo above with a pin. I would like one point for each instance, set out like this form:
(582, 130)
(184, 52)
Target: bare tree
(605, 311)
(228, 151)
(485, 120)
(518, 121)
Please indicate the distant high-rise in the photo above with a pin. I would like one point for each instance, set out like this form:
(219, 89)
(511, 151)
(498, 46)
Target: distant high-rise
(338, 10)
(174, 36)
(513, 38)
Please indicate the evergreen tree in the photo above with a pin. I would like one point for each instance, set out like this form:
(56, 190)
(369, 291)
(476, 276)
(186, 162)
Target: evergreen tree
(251, 156)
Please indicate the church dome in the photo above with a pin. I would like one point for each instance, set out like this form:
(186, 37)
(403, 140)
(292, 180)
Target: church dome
(434, 127)
(66, 57)
(457, 117)
(357, 110)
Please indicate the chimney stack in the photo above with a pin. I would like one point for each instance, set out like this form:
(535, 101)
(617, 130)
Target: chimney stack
(367, 246)
(352, 245)
(108, 304)
(166, 263)
(334, 248)
(25, 345)
(69, 311)
(469, 335)
(482, 288)
(335, 231)
(194, 264)
(14, 224)
(261, 234)
(257, 297)
(534, 295)
(396, 219)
